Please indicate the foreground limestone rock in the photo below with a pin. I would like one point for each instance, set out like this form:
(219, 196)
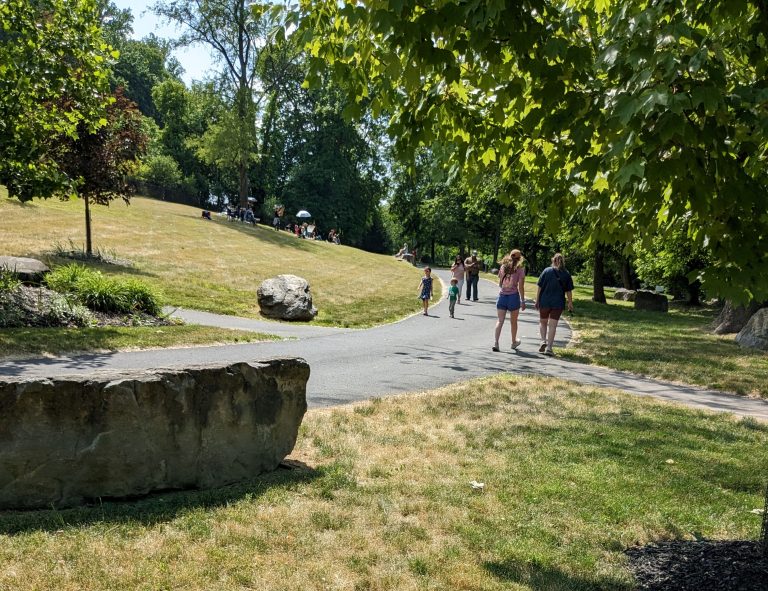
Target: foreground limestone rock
(286, 297)
(755, 334)
(651, 301)
(66, 441)
(26, 269)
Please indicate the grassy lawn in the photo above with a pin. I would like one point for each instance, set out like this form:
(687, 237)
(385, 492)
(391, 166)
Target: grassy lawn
(573, 475)
(25, 342)
(677, 346)
(216, 266)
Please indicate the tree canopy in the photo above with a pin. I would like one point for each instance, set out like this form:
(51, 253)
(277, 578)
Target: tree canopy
(53, 80)
(639, 116)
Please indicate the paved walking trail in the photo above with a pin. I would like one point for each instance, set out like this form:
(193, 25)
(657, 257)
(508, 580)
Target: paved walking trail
(417, 353)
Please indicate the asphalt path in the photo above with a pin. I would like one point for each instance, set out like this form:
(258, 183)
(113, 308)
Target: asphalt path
(417, 353)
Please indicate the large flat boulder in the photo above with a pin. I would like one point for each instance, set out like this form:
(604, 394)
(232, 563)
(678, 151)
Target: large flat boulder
(755, 334)
(69, 440)
(26, 269)
(627, 295)
(651, 301)
(286, 297)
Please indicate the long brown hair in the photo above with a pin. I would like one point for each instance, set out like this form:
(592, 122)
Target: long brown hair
(558, 261)
(512, 262)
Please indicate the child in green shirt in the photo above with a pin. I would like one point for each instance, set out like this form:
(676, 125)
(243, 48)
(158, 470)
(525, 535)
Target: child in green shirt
(453, 295)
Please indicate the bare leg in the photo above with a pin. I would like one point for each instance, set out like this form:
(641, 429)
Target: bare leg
(426, 307)
(551, 328)
(513, 321)
(499, 323)
(543, 329)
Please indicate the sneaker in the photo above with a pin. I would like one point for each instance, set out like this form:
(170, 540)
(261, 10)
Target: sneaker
(549, 352)
(542, 347)
(516, 344)
(495, 349)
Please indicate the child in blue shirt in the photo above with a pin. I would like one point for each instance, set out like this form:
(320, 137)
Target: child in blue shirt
(425, 287)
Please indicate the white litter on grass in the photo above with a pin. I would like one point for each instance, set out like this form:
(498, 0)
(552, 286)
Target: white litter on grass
(758, 511)
(477, 485)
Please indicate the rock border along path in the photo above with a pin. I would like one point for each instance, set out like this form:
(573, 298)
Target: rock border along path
(417, 353)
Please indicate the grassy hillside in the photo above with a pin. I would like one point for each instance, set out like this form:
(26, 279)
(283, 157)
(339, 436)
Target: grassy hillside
(218, 265)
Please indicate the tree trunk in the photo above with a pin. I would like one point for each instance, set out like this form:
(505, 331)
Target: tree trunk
(432, 251)
(598, 278)
(88, 243)
(243, 178)
(733, 318)
(694, 294)
(626, 273)
(496, 242)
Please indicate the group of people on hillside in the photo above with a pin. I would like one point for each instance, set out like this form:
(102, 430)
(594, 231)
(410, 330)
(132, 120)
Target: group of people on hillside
(554, 293)
(243, 214)
(307, 231)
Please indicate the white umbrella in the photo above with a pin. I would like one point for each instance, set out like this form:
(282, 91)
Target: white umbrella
(303, 214)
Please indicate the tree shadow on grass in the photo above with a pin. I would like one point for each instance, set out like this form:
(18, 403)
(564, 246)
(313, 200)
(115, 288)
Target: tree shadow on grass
(270, 235)
(54, 260)
(154, 508)
(549, 578)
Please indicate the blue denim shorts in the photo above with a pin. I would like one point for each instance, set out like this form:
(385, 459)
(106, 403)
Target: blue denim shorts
(509, 302)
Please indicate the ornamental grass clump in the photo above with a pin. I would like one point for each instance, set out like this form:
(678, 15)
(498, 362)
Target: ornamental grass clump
(104, 294)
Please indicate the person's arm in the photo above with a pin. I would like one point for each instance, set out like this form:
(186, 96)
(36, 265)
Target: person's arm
(521, 289)
(569, 295)
(538, 296)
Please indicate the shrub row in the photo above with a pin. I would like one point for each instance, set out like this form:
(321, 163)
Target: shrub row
(105, 294)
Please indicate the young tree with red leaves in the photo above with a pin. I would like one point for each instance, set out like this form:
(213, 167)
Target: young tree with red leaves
(100, 162)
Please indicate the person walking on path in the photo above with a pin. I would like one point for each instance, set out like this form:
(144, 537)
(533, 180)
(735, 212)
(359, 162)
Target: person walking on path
(457, 272)
(554, 286)
(511, 295)
(472, 268)
(454, 292)
(425, 288)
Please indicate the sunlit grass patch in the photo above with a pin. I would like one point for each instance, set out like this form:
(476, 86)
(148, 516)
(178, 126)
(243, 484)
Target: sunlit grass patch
(572, 475)
(677, 346)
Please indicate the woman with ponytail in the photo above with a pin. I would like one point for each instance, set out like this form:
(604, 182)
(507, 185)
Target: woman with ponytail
(511, 295)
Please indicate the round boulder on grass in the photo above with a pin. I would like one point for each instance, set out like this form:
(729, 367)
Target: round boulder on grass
(755, 334)
(651, 301)
(26, 269)
(286, 297)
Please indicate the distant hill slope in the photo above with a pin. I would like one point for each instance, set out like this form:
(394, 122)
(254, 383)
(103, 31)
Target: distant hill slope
(214, 265)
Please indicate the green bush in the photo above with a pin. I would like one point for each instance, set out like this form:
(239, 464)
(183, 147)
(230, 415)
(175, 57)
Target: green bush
(102, 293)
(8, 280)
(65, 279)
(142, 297)
(105, 294)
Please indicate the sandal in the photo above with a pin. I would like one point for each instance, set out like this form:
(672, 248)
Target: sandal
(495, 349)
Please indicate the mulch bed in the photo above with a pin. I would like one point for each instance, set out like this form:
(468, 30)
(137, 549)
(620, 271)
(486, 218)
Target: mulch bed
(699, 566)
